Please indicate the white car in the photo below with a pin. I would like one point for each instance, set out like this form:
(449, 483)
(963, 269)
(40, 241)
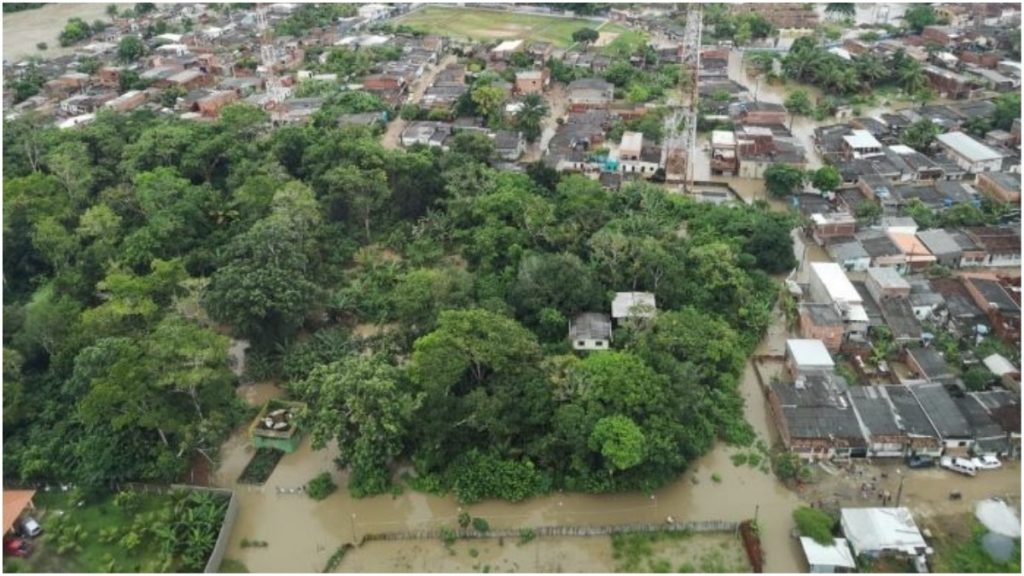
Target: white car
(987, 462)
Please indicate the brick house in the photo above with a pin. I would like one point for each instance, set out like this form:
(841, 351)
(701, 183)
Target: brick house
(1002, 310)
(531, 81)
(1000, 186)
(211, 105)
(822, 322)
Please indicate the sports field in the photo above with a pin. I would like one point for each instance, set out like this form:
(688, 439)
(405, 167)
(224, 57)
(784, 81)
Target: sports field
(479, 24)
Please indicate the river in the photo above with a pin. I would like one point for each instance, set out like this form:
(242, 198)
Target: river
(23, 30)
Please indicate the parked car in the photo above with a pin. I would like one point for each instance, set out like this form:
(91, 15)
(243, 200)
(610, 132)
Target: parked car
(17, 547)
(920, 461)
(986, 462)
(961, 465)
(29, 528)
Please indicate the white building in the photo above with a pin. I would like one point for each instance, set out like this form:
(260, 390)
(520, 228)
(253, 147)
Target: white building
(830, 285)
(828, 559)
(872, 531)
(861, 144)
(970, 154)
(371, 12)
(590, 331)
(633, 305)
(806, 356)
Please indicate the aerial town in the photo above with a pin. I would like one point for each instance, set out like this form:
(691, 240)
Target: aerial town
(512, 287)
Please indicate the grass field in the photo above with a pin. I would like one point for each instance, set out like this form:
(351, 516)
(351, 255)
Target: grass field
(479, 24)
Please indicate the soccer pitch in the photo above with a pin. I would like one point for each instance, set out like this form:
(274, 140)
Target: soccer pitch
(479, 24)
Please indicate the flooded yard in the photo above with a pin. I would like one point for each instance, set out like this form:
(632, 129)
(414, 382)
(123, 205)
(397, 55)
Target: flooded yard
(719, 552)
(23, 30)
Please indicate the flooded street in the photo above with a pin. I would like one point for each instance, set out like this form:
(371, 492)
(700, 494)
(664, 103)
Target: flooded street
(23, 30)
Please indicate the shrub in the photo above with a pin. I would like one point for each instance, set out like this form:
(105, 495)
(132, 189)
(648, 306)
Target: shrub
(526, 535)
(716, 478)
(41, 45)
(321, 487)
(814, 524)
(481, 525)
(464, 519)
(448, 536)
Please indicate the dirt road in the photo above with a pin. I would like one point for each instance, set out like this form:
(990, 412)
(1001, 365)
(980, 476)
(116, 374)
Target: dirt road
(392, 138)
(557, 105)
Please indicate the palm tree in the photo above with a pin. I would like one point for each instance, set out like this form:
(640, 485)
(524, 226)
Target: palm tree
(911, 77)
(871, 69)
(529, 116)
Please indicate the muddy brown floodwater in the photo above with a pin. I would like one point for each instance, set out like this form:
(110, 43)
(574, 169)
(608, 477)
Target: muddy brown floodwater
(23, 30)
(302, 534)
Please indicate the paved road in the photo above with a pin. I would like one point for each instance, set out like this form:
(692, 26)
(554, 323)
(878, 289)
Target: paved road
(392, 138)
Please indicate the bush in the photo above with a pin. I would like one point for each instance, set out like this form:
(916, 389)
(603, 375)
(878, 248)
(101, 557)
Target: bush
(526, 535)
(321, 487)
(448, 536)
(41, 45)
(481, 525)
(814, 524)
(464, 519)
(476, 476)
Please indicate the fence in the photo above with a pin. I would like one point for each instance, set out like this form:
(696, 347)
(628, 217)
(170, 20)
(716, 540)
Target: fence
(707, 526)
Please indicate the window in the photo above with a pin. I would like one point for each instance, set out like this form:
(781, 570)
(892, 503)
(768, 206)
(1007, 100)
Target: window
(962, 443)
(581, 343)
(599, 343)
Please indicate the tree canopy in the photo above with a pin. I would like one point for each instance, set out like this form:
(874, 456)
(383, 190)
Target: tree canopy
(418, 300)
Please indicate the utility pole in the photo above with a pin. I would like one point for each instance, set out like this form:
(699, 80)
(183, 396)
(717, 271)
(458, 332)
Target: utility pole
(899, 491)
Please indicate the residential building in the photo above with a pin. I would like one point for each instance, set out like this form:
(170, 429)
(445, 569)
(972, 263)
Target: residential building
(875, 531)
(886, 283)
(758, 113)
(822, 322)
(531, 81)
(861, 144)
(633, 305)
(830, 285)
(435, 134)
(1002, 310)
(945, 417)
(804, 357)
(590, 93)
(999, 186)
(590, 331)
(970, 154)
(832, 559)
(814, 419)
(942, 245)
(828, 226)
(929, 365)
(1001, 245)
(850, 255)
(509, 145)
(915, 253)
(885, 436)
(921, 436)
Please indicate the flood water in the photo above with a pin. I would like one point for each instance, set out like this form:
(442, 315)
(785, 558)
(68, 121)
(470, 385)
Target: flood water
(302, 534)
(23, 30)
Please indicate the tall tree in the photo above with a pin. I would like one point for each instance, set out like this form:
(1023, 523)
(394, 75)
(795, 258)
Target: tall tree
(360, 402)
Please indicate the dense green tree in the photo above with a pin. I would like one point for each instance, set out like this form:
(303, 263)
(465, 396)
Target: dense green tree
(585, 35)
(920, 134)
(918, 16)
(265, 289)
(130, 48)
(620, 442)
(826, 178)
(783, 180)
(361, 403)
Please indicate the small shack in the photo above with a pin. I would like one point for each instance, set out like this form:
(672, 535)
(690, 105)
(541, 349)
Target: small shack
(832, 559)
(590, 331)
(278, 426)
